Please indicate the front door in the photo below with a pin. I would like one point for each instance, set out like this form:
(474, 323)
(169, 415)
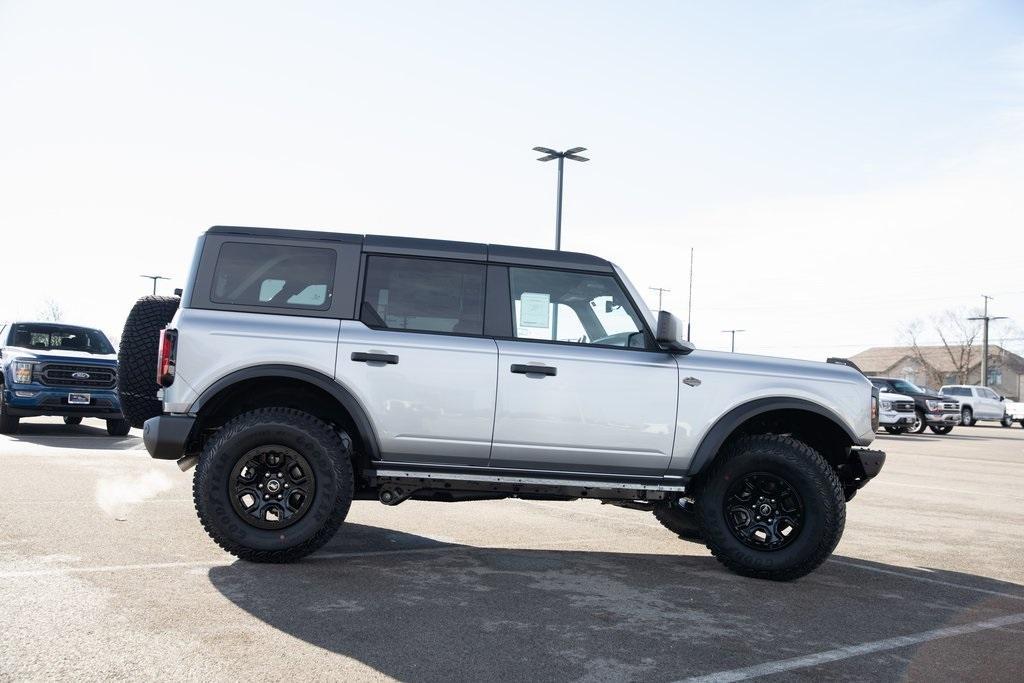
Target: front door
(581, 387)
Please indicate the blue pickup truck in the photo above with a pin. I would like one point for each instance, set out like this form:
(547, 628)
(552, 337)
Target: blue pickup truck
(57, 369)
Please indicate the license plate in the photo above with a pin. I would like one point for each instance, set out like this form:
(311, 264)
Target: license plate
(79, 399)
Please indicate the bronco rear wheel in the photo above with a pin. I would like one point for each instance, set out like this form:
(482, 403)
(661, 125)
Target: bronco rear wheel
(136, 357)
(770, 507)
(274, 484)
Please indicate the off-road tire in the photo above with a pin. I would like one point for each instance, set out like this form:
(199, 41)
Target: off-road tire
(72, 420)
(118, 427)
(8, 423)
(328, 453)
(137, 356)
(803, 469)
(682, 523)
(895, 431)
(941, 429)
(967, 417)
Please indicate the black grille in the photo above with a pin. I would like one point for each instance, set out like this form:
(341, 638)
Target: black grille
(903, 406)
(61, 375)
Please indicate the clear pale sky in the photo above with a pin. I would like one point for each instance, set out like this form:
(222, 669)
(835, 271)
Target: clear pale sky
(840, 168)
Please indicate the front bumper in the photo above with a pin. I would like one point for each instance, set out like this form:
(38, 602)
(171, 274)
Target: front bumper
(103, 403)
(861, 466)
(892, 419)
(942, 418)
(167, 436)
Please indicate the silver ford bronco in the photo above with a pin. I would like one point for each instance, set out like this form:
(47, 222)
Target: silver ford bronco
(301, 370)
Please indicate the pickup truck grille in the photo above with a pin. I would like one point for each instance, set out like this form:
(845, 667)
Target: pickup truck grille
(89, 376)
(950, 407)
(903, 406)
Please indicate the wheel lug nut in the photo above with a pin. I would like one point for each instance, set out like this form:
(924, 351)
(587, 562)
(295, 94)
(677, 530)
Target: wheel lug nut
(259, 485)
(279, 496)
(267, 474)
(266, 497)
(286, 485)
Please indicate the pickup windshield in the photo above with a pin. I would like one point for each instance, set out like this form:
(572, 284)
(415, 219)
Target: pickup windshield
(49, 337)
(902, 386)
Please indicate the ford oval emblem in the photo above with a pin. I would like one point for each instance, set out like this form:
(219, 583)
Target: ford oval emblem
(80, 375)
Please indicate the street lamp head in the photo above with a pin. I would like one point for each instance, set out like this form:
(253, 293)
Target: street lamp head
(549, 157)
(546, 150)
(576, 157)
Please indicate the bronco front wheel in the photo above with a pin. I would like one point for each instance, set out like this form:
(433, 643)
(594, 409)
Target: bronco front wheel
(273, 484)
(770, 507)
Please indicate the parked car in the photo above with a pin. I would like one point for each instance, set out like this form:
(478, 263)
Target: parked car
(1015, 412)
(307, 369)
(896, 413)
(977, 403)
(56, 369)
(938, 413)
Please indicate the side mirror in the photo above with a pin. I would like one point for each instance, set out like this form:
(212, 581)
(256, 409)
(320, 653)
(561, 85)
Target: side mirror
(669, 334)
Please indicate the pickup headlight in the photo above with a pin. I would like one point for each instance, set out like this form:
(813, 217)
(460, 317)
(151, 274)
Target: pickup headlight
(933, 406)
(886, 405)
(22, 372)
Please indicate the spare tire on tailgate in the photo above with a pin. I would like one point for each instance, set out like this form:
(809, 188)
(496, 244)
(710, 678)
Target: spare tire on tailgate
(136, 359)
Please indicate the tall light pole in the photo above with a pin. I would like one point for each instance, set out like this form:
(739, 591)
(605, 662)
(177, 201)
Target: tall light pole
(733, 333)
(154, 278)
(660, 291)
(550, 155)
(984, 338)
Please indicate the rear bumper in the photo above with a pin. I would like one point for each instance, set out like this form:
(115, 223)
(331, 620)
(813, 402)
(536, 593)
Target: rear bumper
(49, 401)
(166, 436)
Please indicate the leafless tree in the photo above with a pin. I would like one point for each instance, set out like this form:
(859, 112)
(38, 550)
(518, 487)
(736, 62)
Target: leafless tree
(959, 339)
(51, 311)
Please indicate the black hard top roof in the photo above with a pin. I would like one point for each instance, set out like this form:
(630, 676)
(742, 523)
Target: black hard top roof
(415, 246)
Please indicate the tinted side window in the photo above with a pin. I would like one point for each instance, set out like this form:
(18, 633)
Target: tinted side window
(272, 275)
(424, 295)
(582, 308)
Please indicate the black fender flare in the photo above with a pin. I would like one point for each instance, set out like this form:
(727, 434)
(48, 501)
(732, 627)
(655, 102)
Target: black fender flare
(728, 423)
(318, 379)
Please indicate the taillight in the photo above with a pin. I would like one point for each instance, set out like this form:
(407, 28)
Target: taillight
(165, 357)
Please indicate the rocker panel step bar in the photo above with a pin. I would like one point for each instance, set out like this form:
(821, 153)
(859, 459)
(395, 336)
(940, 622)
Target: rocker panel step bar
(513, 480)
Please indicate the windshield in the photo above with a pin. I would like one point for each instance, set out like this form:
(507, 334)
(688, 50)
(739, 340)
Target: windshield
(640, 304)
(902, 386)
(48, 337)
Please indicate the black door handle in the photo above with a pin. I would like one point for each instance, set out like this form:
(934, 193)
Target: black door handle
(361, 357)
(534, 370)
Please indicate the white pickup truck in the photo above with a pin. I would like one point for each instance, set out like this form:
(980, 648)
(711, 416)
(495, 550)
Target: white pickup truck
(1015, 412)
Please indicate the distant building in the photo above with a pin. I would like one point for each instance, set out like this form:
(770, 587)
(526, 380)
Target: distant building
(933, 366)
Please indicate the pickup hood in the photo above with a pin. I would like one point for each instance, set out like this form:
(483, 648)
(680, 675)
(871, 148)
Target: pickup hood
(12, 353)
(895, 397)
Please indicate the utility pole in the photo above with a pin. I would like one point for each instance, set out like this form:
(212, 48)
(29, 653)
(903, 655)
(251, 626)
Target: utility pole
(733, 333)
(154, 278)
(986, 318)
(660, 291)
(549, 155)
(689, 303)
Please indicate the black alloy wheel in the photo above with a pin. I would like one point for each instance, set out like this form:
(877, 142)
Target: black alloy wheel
(763, 511)
(272, 487)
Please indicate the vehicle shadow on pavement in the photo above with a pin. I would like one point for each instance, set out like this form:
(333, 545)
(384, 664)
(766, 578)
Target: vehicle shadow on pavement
(73, 436)
(416, 608)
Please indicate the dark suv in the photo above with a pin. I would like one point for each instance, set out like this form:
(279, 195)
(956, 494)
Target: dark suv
(932, 410)
(55, 369)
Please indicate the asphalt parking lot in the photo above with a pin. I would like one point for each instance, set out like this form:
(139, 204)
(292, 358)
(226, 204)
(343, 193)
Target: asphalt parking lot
(105, 572)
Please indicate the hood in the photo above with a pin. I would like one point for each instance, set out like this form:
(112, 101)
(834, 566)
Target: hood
(16, 352)
(887, 396)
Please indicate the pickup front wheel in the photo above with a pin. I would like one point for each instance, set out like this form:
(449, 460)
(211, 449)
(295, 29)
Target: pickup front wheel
(770, 507)
(273, 485)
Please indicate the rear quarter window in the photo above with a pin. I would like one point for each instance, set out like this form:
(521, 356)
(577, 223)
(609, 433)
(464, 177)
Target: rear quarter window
(274, 276)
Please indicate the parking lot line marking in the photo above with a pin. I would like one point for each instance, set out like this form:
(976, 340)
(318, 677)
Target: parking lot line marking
(840, 653)
(926, 579)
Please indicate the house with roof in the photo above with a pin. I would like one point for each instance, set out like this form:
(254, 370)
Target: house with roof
(934, 366)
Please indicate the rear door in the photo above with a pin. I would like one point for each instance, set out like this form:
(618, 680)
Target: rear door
(417, 360)
(581, 388)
